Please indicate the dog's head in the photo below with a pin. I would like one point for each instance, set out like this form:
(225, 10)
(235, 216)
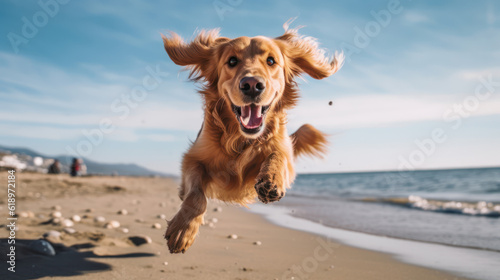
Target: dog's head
(254, 76)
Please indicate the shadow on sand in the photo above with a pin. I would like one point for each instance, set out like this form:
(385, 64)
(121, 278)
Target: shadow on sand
(68, 261)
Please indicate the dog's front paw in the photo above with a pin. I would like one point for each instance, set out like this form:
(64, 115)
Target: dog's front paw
(181, 233)
(268, 190)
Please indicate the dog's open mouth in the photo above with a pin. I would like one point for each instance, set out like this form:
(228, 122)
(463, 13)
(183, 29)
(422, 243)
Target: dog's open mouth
(251, 117)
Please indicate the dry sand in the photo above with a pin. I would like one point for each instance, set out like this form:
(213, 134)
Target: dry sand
(96, 252)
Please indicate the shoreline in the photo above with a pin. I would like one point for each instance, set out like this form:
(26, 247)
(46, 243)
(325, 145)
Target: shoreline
(461, 261)
(296, 211)
(262, 250)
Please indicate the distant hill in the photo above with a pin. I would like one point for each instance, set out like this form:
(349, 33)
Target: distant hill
(92, 166)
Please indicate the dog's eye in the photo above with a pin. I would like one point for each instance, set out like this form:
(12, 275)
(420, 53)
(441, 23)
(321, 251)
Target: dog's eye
(270, 61)
(232, 61)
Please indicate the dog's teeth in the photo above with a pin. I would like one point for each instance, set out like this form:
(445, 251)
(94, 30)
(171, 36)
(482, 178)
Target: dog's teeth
(245, 121)
(259, 111)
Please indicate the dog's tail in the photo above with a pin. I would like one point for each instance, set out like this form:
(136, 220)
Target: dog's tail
(309, 141)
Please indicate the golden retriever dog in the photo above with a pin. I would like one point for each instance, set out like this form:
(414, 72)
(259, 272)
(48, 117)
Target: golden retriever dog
(243, 150)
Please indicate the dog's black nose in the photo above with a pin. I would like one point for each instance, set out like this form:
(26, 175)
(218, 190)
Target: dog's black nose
(252, 86)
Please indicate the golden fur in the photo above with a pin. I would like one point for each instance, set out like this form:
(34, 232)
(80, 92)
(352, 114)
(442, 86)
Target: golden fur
(224, 162)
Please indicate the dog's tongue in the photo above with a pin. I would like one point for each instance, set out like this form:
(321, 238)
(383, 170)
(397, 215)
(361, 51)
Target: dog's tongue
(251, 116)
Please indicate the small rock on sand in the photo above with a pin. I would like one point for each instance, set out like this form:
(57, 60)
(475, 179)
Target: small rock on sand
(165, 263)
(52, 234)
(140, 239)
(125, 230)
(56, 207)
(89, 210)
(76, 218)
(211, 225)
(161, 216)
(27, 214)
(56, 214)
(218, 209)
(67, 223)
(258, 243)
(99, 219)
(156, 225)
(56, 221)
(232, 236)
(112, 224)
(122, 212)
(42, 247)
(214, 220)
(69, 230)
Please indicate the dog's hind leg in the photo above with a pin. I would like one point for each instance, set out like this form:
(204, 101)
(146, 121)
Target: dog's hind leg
(183, 228)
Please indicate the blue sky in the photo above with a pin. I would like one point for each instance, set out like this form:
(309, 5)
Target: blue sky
(418, 73)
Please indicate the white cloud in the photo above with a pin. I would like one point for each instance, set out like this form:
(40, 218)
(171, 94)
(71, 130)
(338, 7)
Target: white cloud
(382, 110)
(39, 132)
(475, 75)
(36, 82)
(159, 137)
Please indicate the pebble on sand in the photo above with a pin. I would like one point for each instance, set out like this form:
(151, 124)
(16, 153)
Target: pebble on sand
(56, 214)
(89, 210)
(76, 218)
(165, 263)
(112, 224)
(67, 223)
(122, 212)
(258, 243)
(232, 236)
(140, 239)
(52, 234)
(26, 214)
(69, 230)
(156, 225)
(161, 216)
(56, 221)
(211, 225)
(99, 219)
(218, 209)
(214, 220)
(56, 207)
(43, 247)
(125, 230)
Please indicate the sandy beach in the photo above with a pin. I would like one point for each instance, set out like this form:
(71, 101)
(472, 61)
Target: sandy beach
(103, 249)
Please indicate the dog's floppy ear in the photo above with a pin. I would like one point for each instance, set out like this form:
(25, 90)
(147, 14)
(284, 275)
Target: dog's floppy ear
(305, 56)
(195, 55)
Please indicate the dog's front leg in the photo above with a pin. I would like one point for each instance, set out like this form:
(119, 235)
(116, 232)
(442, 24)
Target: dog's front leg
(183, 228)
(274, 178)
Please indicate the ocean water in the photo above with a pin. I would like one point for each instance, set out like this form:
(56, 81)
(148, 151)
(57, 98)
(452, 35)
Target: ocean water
(451, 207)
